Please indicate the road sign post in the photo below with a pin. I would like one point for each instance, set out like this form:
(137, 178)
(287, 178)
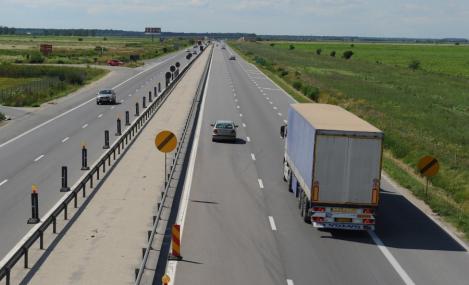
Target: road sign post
(428, 166)
(165, 142)
(34, 206)
(176, 242)
(64, 187)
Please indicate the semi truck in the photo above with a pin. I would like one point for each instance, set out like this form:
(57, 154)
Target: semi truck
(332, 164)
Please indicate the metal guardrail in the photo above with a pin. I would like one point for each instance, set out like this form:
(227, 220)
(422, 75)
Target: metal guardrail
(50, 218)
(188, 127)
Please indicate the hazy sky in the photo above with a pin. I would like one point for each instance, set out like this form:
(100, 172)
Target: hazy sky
(391, 18)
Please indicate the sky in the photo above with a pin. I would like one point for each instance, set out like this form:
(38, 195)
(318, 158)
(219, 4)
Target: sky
(378, 18)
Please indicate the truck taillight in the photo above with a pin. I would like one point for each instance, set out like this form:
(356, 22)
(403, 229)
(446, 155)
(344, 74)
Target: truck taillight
(319, 209)
(318, 219)
(375, 192)
(315, 191)
(368, 221)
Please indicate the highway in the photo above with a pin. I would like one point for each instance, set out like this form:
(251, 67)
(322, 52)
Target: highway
(33, 150)
(242, 226)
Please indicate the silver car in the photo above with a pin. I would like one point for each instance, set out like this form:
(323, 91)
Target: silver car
(224, 130)
(106, 96)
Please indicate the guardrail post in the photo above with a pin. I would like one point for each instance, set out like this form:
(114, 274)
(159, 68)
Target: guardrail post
(65, 187)
(149, 97)
(144, 102)
(119, 129)
(34, 206)
(84, 158)
(137, 111)
(159, 87)
(106, 139)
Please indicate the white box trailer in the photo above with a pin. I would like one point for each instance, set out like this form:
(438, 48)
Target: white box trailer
(333, 165)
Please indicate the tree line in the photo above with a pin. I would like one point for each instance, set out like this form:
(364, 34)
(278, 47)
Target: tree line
(7, 31)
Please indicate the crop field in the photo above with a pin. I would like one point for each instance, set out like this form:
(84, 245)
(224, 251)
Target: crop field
(85, 50)
(423, 108)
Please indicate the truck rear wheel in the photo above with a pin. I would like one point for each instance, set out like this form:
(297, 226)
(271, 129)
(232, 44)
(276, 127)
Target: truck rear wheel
(305, 212)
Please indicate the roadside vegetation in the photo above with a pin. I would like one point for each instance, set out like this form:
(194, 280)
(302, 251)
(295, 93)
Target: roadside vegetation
(32, 85)
(417, 94)
(86, 50)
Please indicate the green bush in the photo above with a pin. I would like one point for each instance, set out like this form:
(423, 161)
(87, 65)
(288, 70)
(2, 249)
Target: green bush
(333, 53)
(297, 85)
(347, 54)
(291, 47)
(414, 64)
(272, 44)
(261, 61)
(311, 92)
(318, 51)
(36, 57)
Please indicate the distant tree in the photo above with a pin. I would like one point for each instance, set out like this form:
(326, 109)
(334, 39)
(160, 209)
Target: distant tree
(291, 47)
(165, 50)
(414, 64)
(352, 45)
(272, 44)
(318, 51)
(347, 54)
(297, 85)
(333, 53)
(80, 39)
(456, 44)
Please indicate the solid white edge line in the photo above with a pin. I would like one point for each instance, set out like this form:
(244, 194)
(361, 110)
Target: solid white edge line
(261, 184)
(253, 156)
(38, 158)
(407, 280)
(79, 106)
(181, 218)
(3, 182)
(65, 139)
(272, 223)
(290, 282)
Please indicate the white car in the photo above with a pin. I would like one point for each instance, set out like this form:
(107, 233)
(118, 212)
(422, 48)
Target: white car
(106, 96)
(224, 130)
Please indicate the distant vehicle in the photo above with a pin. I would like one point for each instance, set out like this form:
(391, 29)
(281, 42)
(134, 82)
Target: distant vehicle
(188, 50)
(232, 57)
(224, 130)
(223, 47)
(194, 52)
(332, 163)
(114, 62)
(106, 96)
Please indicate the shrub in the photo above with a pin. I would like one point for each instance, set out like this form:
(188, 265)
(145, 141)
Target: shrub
(347, 54)
(272, 44)
(318, 51)
(333, 53)
(311, 92)
(291, 47)
(80, 39)
(284, 73)
(36, 57)
(414, 64)
(261, 61)
(352, 45)
(165, 50)
(297, 85)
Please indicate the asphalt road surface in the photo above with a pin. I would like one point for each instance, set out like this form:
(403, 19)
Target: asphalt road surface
(33, 150)
(242, 226)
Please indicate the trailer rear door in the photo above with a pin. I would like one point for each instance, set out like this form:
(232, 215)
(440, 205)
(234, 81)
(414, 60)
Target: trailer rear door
(346, 167)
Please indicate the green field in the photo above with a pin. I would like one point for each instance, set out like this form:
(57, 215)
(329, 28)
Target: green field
(32, 85)
(86, 50)
(446, 59)
(423, 111)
